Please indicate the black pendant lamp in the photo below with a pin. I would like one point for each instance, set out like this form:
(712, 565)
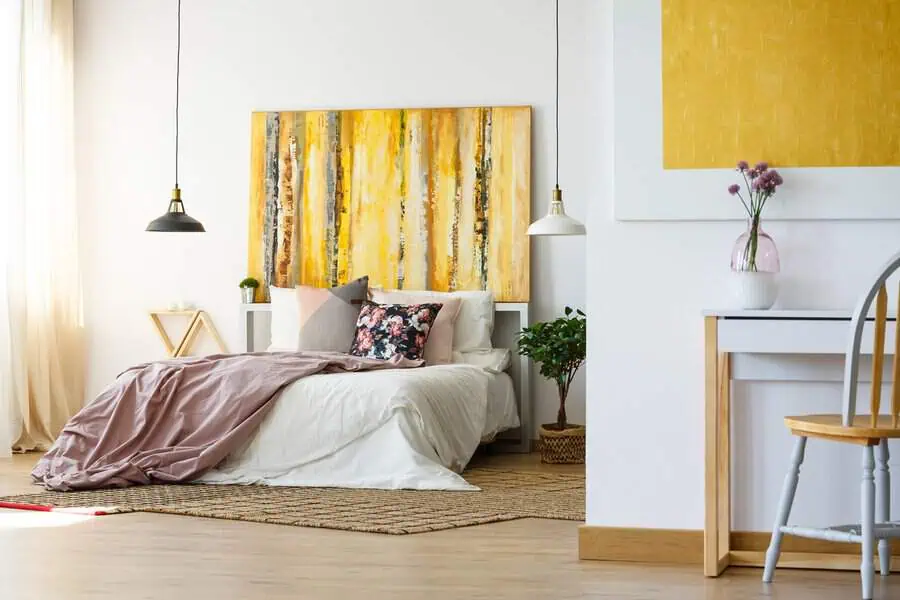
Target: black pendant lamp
(175, 218)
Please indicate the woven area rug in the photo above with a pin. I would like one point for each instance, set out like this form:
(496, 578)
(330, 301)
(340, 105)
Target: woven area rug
(506, 495)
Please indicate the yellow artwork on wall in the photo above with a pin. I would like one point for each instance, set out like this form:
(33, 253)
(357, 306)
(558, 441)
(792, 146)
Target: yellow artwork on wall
(795, 82)
(418, 199)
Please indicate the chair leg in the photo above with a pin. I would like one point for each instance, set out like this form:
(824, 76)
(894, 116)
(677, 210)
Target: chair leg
(883, 514)
(784, 508)
(867, 523)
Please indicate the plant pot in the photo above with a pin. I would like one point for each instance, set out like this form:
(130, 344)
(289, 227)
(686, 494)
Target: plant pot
(564, 447)
(248, 295)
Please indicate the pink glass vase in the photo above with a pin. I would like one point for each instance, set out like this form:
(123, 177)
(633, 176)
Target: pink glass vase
(755, 267)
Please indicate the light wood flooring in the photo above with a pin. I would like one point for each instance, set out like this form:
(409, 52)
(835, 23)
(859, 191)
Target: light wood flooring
(151, 556)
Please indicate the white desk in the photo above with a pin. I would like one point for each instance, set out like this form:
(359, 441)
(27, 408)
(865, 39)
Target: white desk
(773, 345)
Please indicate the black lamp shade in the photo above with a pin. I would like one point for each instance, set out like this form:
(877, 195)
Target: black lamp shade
(176, 222)
(175, 219)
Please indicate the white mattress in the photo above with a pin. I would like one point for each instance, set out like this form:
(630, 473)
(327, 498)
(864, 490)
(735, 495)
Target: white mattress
(409, 428)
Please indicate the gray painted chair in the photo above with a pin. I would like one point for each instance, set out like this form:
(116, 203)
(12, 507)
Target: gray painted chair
(869, 431)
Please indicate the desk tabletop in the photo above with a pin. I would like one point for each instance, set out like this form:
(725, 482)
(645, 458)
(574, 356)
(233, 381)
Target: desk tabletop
(787, 314)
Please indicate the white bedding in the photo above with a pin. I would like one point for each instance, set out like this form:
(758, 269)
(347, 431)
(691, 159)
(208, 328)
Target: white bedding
(411, 429)
(502, 409)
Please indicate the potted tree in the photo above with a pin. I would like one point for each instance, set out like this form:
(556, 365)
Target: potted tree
(559, 348)
(248, 290)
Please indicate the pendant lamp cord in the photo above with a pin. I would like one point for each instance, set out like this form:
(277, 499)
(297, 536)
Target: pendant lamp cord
(177, 81)
(557, 93)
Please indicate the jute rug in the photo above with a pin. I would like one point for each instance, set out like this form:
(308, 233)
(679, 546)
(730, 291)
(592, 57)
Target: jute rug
(506, 495)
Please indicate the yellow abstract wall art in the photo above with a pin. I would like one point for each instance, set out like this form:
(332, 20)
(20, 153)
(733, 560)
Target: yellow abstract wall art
(796, 82)
(418, 199)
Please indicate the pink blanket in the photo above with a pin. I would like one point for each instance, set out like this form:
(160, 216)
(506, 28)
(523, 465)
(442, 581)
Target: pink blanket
(170, 421)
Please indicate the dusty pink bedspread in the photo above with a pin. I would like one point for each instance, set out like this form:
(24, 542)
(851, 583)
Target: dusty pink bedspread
(172, 420)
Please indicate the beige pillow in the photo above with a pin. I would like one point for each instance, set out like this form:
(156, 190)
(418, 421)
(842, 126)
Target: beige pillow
(439, 347)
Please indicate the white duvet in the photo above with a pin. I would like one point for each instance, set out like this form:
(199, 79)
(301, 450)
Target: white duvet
(412, 429)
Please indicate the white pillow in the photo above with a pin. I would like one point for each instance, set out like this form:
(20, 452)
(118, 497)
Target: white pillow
(285, 323)
(475, 321)
(495, 360)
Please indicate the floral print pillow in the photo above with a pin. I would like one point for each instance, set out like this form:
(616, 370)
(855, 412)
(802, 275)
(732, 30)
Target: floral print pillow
(385, 330)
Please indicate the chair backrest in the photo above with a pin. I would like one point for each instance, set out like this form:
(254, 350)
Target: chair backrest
(877, 293)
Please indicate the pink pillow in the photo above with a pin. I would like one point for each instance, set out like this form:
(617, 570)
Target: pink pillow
(439, 347)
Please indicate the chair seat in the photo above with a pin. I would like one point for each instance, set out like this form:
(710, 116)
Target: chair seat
(831, 427)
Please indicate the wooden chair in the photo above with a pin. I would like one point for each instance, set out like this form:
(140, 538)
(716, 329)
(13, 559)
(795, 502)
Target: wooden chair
(869, 431)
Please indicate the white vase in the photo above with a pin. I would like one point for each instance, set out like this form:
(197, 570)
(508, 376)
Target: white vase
(754, 290)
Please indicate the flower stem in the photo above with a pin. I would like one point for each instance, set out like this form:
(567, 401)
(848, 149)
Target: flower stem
(747, 208)
(752, 245)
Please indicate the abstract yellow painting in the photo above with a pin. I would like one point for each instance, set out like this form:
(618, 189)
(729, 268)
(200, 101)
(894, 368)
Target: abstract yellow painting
(418, 199)
(798, 83)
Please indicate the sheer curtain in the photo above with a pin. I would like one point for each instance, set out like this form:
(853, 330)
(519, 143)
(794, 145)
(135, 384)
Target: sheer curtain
(41, 368)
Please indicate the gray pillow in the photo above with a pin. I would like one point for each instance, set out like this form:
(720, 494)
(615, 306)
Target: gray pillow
(328, 316)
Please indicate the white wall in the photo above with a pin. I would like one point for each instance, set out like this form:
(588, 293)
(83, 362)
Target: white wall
(647, 285)
(243, 55)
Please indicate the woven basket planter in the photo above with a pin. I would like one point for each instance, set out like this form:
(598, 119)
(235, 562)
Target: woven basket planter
(562, 447)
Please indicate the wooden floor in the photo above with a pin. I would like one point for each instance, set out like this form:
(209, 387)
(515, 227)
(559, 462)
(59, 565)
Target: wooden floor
(149, 556)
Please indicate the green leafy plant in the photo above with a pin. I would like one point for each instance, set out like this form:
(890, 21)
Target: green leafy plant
(249, 282)
(559, 348)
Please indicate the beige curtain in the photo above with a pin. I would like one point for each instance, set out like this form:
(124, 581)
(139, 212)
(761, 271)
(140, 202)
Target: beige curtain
(41, 352)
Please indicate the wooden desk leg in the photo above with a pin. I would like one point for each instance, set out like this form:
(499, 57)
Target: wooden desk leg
(711, 518)
(717, 521)
(723, 462)
(188, 337)
(207, 321)
(157, 324)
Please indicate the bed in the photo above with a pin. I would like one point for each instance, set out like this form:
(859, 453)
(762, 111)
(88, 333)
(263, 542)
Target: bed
(437, 203)
(411, 429)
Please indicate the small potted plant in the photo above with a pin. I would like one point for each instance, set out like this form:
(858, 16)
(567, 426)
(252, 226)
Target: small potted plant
(559, 348)
(248, 290)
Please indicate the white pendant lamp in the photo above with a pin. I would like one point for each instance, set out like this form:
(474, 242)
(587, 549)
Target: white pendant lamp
(557, 222)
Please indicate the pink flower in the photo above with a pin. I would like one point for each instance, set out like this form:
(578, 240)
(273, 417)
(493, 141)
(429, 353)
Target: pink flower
(376, 316)
(743, 165)
(364, 340)
(762, 167)
(733, 189)
(395, 326)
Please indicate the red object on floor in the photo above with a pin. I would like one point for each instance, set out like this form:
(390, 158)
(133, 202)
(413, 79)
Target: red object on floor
(49, 508)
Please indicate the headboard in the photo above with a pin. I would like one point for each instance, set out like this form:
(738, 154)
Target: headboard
(509, 318)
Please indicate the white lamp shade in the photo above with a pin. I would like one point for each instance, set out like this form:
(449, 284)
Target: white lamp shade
(556, 225)
(557, 222)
